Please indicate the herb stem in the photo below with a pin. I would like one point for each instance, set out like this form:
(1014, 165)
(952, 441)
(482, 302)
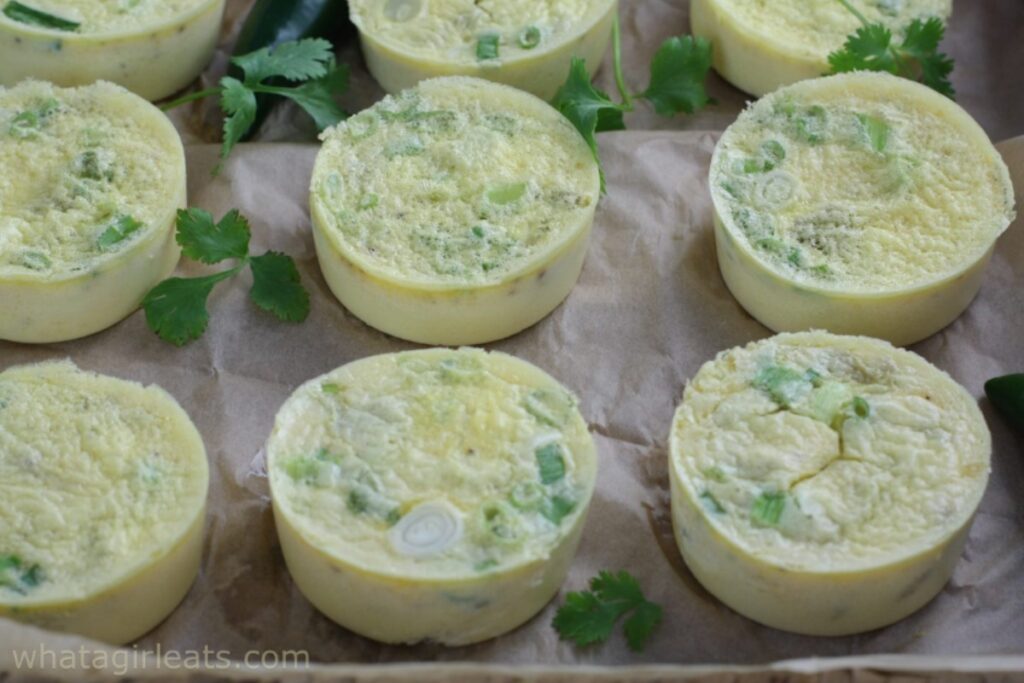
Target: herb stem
(854, 11)
(191, 97)
(620, 78)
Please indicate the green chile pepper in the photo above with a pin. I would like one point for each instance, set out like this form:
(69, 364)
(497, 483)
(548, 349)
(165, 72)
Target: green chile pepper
(1007, 395)
(272, 22)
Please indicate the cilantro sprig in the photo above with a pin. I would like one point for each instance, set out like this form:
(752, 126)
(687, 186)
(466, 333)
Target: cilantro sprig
(309, 63)
(176, 308)
(872, 47)
(678, 72)
(589, 617)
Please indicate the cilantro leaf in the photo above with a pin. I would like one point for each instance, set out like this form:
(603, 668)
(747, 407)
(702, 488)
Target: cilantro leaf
(309, 62)
(176, 308)
(872, 48)
(678, 72)
(296, 60)
(589, 617)
(638, 628)
(207, 242)
(590, 110)
(277, 287)
(239, 103)
(317, 97)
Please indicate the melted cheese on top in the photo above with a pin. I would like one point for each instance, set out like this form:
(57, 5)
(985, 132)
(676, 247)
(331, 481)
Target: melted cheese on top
(84, 174)
(452, 29)
(819, 452)
(455, 181)
(815, 28)
(861, 182)
(98, 476)
(110, 16)
(493, 443)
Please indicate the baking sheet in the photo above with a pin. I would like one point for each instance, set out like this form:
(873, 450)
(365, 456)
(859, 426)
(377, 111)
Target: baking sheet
(649, 309)
(985, 37)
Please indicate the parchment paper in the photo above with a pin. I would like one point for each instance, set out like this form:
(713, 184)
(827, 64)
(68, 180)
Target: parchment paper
(649, 309)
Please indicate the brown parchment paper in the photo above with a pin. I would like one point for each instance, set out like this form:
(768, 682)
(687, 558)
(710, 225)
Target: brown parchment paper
(649, 309)
(985, 37)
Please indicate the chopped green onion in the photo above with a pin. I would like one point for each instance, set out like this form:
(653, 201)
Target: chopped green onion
(783, 384)
(529, 37)
(527, 495)
(549, 406)
(35, 260)
(506, 194)
(330, 388)
(716, 474)
(558, 508)
(478, 231)
(502, 522)
(120, 229)
(551, 463)
(368, 201)
(876, 130)
(768, 508)
(487, 46)
(28, 15)
(711, 503)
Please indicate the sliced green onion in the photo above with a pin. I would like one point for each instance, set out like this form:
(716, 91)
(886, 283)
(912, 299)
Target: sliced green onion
(506, 194)
(529, 37)
(711, 503)
(120, 229)
(558, 508)
(861, 408)
(768, 508)
(29, 15)
(487, 46)
(330, 388)
(876, 130)
(550, 463)
(426, 530)
(36, 260)
(527, 495)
